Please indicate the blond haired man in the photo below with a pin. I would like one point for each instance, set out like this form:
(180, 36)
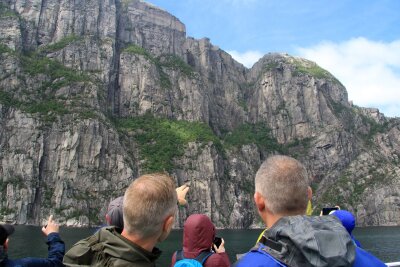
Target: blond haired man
(293, 239)
(149, 209)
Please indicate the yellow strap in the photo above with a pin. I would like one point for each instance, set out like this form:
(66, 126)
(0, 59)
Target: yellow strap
(259, 237)
(308, 212)
(309, 208)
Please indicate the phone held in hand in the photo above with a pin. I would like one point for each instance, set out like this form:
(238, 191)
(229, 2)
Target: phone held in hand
(327, 210)
(217, 242)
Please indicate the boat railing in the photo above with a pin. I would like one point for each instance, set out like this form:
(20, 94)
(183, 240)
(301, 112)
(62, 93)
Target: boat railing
(393, 264)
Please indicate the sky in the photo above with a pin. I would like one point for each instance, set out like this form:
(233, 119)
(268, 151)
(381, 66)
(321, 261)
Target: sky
(358, 41)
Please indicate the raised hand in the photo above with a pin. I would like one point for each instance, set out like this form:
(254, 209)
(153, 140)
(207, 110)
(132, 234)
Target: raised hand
(51, 227)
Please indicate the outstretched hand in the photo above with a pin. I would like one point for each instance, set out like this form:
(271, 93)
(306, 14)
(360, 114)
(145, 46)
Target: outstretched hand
(221, 248)
(181, 192)
(51, 227)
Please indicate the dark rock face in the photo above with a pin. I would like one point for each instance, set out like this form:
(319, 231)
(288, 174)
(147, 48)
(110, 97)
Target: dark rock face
(95, 93)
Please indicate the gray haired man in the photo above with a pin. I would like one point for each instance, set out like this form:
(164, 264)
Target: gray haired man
(149, 209)
(293, 239)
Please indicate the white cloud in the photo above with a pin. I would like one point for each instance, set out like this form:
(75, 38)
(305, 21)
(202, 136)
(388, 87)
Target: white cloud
(247, 58)
(369, 70)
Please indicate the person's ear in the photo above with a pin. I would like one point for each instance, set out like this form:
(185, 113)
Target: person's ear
(260, 201)
(309, 193)
(168, 223)
(108, 219)
(166, 228)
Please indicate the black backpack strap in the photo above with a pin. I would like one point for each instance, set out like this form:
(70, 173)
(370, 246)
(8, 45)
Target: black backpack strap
(203, 256)
(271, 243)
(179, 255)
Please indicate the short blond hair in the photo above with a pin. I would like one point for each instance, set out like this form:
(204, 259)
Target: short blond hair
(283, 182)
(147, 202)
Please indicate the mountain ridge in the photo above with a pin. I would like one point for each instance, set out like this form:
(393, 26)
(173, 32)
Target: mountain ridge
(95, 94)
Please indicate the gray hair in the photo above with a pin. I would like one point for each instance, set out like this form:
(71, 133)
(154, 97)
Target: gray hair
(147, 202)
(283, 182)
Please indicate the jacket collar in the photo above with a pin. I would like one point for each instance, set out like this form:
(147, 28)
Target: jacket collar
(119, 247)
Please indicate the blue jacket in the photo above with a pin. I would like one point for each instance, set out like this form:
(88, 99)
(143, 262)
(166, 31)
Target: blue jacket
(260, 258)
(307, 241)
(55, 255)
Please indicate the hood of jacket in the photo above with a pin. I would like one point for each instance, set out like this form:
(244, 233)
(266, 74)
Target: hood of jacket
(198, 235)
(317, 241)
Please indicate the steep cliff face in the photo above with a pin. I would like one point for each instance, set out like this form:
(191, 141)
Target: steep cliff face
(95, 93)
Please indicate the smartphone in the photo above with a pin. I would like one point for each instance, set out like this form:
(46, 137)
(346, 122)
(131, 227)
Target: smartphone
(326, 211)
(217, 241)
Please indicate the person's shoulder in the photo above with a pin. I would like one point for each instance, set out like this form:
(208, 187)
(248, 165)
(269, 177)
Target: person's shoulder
(257, 258)
(81, 251)
(366, 259)
(218, 259)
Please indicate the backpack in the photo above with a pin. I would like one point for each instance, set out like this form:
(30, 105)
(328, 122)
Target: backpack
(181, 261)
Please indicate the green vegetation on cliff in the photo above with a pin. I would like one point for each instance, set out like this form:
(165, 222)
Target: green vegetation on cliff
(176, 63)
(162, 62)
(64, 42)
(49, 109)
(138, 50)
(5, 11)
(312, 69)
(161, 140)
(8, 100)
(247, 133)
(45, 77)
(58, 75)
(5, 49)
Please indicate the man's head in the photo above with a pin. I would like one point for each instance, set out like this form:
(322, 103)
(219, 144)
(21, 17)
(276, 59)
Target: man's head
(5, 231)
(150, 206)
(282, 186)
(114, 213)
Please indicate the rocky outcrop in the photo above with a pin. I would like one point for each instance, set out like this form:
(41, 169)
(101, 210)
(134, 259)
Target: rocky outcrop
(95, 93)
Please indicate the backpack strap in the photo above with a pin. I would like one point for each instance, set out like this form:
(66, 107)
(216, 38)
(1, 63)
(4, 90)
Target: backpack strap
(203, 256)
(269, 261)
(179, 255)
(272, 245)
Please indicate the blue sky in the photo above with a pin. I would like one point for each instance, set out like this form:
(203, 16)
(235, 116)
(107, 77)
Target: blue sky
(357, 41)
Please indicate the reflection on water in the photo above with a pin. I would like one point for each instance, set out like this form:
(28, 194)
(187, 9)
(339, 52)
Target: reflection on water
(29, 241)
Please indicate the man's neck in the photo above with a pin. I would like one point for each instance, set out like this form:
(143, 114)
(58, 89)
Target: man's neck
(147, 244)
(270, 219)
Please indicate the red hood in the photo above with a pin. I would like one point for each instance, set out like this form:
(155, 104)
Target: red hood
(198, 234)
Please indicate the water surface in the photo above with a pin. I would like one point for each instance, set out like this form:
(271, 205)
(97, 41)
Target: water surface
(383, 242)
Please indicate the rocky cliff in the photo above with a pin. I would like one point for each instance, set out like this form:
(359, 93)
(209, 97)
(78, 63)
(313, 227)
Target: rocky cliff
(94, 93)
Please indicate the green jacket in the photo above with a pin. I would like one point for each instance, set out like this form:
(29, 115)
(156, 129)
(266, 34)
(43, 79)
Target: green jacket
(108, 248)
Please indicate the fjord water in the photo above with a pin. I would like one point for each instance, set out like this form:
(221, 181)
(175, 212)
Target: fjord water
(383, 242)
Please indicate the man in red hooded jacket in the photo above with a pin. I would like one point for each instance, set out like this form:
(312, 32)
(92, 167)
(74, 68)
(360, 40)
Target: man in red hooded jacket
(198, 236)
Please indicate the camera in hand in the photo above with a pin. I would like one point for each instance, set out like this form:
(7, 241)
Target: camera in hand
(217, 242)
(326, 211)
